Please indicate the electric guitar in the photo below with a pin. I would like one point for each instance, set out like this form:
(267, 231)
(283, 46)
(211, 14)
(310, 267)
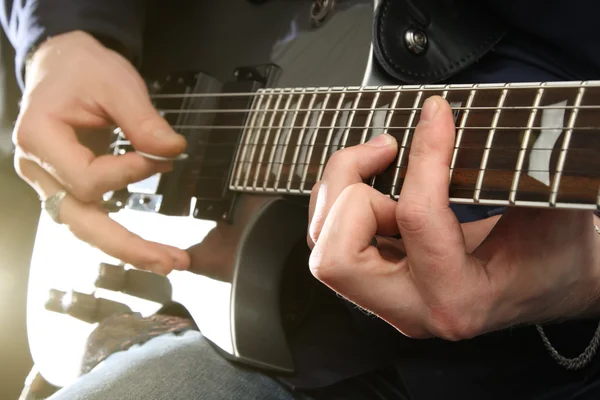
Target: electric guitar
(259, 141)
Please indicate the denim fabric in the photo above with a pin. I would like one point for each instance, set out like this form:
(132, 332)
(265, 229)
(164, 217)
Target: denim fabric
(173, 367)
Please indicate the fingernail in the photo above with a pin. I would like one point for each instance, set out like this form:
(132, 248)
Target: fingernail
(430, 108)
(382, 140)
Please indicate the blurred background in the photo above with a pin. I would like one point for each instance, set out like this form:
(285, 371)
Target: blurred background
(19, 211)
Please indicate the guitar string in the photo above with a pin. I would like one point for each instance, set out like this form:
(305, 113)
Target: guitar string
(369, 109)
(300, 165)
(323, 144)
(550, 86)
(395, 127)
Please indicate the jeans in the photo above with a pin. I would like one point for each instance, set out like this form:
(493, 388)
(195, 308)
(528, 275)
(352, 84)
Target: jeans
(174, 367)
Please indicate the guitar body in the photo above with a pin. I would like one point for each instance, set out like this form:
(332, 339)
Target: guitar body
(269, 90)
(238, 306)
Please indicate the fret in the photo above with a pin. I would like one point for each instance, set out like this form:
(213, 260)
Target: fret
(565, 147)
(255, 137)
(350, 119)
(334, 121)
(505, 153)
(524, 144)
(579, 181)
(363, 137)
(246, 135)
(313, 140)
(276, 140)
(288, 136)
(407, 132)
(388, 120)
(461, 130)
(266, 139)
(299, 142)
(488, 146)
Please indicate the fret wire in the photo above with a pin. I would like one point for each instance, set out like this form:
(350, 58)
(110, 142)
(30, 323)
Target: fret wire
(242, 151)
(369, 118)
(564, 148)
(266, 139)
(459, 134)
(299, 142)
(411, 119)
(287, 139)
(363, 137)
(329, 136)
(386, 125)
(350, 120)
(524, 144)
(275, 141)
(486, 152)
(257, 132)
(312, 142)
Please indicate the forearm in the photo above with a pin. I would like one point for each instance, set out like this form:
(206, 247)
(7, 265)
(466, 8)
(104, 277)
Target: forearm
(118, 24)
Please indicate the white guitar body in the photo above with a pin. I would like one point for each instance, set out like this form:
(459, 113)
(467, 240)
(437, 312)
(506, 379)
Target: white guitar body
(267, 228)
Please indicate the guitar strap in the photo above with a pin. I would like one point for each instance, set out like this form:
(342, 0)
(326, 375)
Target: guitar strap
(428, 41)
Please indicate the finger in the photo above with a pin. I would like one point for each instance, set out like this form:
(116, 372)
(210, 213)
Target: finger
(75, 166)
(89, 223)
(141, 123)
(346, 167)
(311, 210)
(344, 259)
(431, 233)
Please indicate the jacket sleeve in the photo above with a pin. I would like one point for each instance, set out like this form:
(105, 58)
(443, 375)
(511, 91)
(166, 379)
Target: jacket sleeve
(116, 23)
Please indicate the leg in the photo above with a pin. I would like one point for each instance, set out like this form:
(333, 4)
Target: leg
(173, 367)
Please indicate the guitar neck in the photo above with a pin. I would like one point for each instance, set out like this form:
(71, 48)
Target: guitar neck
(516, 144)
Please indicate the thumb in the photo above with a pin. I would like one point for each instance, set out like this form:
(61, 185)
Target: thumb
(141, 123)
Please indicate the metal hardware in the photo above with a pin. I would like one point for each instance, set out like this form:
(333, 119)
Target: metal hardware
(320, 10)
(416, 41)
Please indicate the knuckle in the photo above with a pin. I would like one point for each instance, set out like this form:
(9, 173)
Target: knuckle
(323, 266)
(451, 322)
(314, 231)
(412, 216)
(22, 138)
(340, 158)
(361, 190)
(85, 190)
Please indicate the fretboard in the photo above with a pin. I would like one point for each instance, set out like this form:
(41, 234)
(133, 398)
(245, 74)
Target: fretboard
(516, 144)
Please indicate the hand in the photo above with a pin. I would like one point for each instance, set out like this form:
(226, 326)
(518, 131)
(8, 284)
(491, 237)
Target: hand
(534, 265)
(73, 84)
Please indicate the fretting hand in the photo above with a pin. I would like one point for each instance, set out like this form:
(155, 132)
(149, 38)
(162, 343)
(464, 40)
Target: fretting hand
(443, 279)
(74, 83)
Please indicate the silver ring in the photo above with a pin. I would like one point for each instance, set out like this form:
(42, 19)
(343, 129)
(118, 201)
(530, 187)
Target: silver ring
(52, 205)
